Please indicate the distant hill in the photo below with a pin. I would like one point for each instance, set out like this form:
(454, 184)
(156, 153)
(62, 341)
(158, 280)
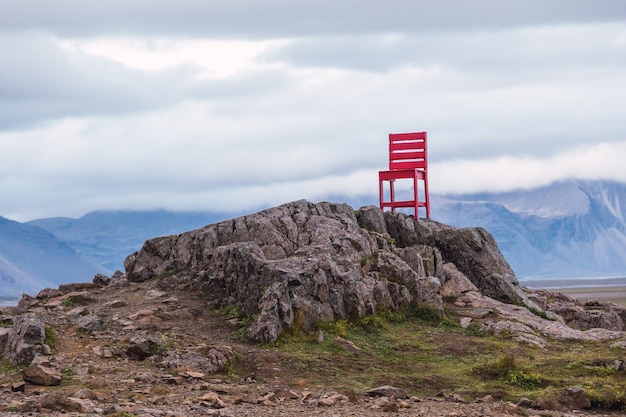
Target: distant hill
(110, 236)
(32, 258)
(567, 229)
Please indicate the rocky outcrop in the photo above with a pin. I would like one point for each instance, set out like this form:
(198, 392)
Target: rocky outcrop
(301, 263)
(25, 340)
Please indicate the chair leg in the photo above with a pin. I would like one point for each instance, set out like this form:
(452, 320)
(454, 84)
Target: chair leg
(380, 193)
(392, 195)
(415, 197)
(427, 197)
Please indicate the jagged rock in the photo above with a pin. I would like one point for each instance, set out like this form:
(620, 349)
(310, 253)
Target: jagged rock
(219, 357)
(77, 287)
(585, 315)
(26, 340)
(89, 323)
(48, 293)
(523, 321)
(456, 282)
(76, 298)
(141, 348)
(6, 320)
(5, 332)
(26, 301)
(101, 279)
(428, 292)
(305, 263)
(39, 374)
(216, 359)
(300, 264)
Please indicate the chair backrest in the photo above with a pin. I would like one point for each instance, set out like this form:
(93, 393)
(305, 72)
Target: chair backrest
(407, 151)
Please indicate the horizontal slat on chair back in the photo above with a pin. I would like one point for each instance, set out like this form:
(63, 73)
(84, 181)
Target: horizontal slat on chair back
(407, 151)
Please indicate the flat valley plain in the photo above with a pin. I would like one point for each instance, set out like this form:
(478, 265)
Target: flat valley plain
(602, 289)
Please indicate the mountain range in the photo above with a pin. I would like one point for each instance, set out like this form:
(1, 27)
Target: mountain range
(31, 258)
(569, 229)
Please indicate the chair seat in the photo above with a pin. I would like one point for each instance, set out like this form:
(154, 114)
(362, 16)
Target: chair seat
(400, 174)
(403, 204)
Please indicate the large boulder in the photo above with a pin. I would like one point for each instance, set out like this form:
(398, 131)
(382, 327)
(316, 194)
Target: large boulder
(302, 263)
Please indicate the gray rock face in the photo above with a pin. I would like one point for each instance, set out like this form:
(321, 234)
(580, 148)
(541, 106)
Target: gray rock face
(300, 263)
(25, 340)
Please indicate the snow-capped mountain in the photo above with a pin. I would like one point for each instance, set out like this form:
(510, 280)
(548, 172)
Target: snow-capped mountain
(567, 229)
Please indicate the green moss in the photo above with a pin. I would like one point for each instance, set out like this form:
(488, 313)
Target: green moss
(525, 380)
(423, 312)
(67, 303)
(50, 337)
(587, 368)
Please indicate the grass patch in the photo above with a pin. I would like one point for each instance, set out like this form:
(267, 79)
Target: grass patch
(50, 337)
(67, 303)
(425, 353)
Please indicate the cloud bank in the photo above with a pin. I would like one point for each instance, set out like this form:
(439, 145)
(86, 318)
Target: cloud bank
(232, 106)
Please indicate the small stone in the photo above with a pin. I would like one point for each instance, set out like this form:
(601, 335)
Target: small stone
(213, 400)
(41, 375)
(386, 391)
(391, 406)
(172, 380)
(578, 397)
(326, 402)
(485, 399)
(18, 387)
(101, 279)
(456, 398)
(141, 313)
(89, 323)
(465, 322)
(155, 294)
(140, 348)
(404, 404)
(348, 345)
(193, 374)
(511, 408)
(115, 304)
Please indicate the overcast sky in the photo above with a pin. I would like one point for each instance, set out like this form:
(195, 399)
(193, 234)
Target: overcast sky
(237, 105)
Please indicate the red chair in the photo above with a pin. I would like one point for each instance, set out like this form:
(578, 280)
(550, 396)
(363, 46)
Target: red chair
(407, 160)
